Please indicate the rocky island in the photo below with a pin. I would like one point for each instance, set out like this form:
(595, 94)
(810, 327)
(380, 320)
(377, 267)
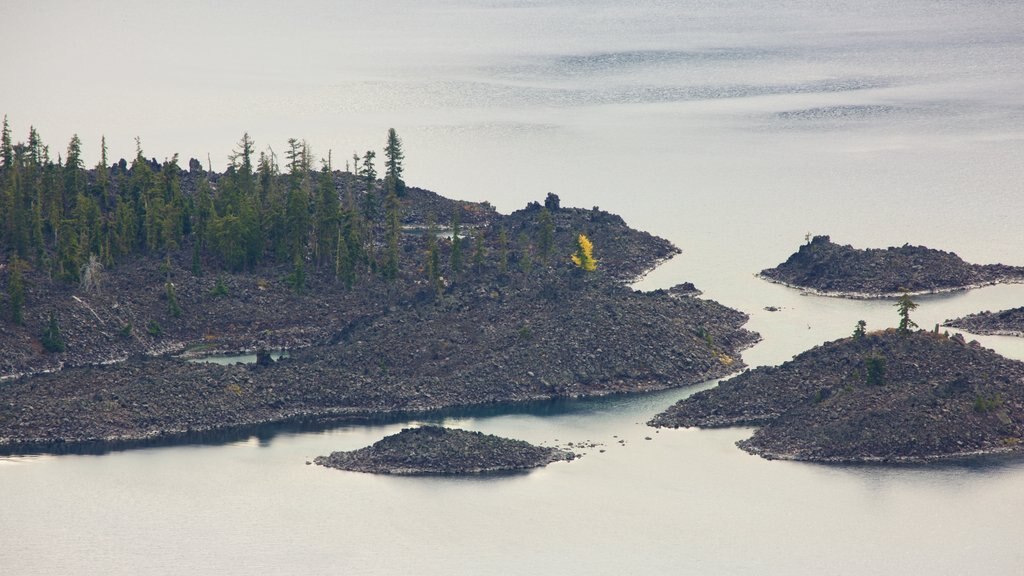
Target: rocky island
(390, 299)
(877, 397)
(823, 267)
(437, 450)
(1003, 323)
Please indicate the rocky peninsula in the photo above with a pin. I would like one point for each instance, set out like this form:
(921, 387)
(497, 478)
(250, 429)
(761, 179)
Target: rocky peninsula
(503, 315)
(438, 450)
(1003, 323)
(823, 267)
(879, 397)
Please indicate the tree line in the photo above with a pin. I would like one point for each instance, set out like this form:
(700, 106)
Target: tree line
(62, 218)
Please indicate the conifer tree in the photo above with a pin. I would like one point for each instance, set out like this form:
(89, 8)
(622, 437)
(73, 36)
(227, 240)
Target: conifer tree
(369, 174)
(394, 230)
(52, 339)
(583, 258)
(393, 164)
(904, 306)
(6, 150)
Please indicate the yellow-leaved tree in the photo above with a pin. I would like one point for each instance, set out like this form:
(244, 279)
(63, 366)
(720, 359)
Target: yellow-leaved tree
(583, 258)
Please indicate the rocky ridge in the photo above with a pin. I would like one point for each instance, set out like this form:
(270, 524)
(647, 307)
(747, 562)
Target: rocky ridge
(882, 397)
(437, 450)
(823, 267)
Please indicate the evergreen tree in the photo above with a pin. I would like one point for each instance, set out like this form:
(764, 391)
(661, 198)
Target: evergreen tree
(52, 339)
(904, 306)
(394, 230)
(6, 150)
(173, 308)
(860, 329)
(369, 174)
(327, 218)
(393, 164)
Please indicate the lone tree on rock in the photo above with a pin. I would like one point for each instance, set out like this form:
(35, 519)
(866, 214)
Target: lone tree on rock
(393, 164)
(860, 330)
(583, 258)
(904, 306)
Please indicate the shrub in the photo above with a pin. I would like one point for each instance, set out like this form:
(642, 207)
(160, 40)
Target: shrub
(874, 370)
(52, 339)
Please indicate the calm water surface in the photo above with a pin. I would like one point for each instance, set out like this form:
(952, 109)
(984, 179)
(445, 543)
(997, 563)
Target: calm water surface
(730, 129)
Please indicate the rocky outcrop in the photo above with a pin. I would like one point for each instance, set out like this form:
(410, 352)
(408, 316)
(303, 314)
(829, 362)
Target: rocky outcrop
(516, 325)
(823, 267)
(437, 450)
(1003, 323)
(883, 397)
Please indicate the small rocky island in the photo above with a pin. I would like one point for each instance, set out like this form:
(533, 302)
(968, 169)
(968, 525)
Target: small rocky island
(1003, 323)
(877, 397)
(823, 267)
(438, 450)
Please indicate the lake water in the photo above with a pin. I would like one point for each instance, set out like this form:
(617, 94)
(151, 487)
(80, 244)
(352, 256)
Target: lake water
(732, 130)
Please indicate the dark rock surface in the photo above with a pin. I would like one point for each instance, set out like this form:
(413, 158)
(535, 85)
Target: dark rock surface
(490, 334)
(437, 450)
(1003, 323)
(933, 397)
(826, 268)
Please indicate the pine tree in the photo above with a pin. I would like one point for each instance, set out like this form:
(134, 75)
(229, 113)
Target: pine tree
(369, 174)
(173, 308)
(393, 164)
(52, 339)
(904, 306)
(394, 230)
(860, 329)
(6, 150)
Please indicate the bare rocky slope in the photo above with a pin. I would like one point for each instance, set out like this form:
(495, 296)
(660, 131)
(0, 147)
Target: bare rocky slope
(1002, 323)
(883, 397)
(827, 268)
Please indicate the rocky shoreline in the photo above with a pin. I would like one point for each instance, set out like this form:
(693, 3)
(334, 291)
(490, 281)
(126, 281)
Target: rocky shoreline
(444, 451)
(881, 397)
(494, 334)
(823, 268)
(1003, 323)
